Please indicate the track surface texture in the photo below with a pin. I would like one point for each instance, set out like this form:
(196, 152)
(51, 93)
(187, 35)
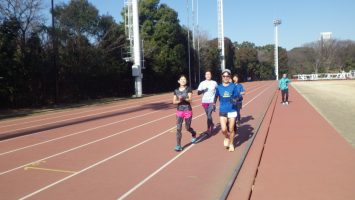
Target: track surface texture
(296, 155)
(124, 150)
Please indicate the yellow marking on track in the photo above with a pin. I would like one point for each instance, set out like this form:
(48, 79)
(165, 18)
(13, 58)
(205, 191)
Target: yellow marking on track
(50, 170)
(37, 163)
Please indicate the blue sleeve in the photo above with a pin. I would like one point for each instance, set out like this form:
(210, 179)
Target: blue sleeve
(236, 92)
(242, 90)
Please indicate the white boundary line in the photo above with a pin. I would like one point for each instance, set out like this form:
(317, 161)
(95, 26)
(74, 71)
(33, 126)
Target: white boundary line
(113, 156)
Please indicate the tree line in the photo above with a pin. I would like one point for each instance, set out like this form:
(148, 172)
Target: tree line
(81, 56)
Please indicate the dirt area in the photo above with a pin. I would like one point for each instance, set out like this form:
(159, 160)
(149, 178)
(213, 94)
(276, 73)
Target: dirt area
(335, 100)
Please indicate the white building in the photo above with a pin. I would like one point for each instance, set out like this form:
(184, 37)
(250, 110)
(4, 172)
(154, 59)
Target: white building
(325, 36)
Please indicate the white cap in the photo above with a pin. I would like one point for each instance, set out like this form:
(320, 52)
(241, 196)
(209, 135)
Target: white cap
(227, 70)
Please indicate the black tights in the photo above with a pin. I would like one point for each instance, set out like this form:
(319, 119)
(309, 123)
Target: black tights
(284, 94)
(179, 121)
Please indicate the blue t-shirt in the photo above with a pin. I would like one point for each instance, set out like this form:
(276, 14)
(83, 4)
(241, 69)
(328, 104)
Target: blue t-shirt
(226, 94)
(240, 89)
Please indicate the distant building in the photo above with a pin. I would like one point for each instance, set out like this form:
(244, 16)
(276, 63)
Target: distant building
(326, 36)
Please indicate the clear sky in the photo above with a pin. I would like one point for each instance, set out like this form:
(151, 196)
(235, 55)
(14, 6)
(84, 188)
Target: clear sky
(252, 20)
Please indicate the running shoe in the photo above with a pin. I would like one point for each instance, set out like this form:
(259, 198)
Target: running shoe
(193, 140)
(226, 142)
(286, 102)
(178, 148)
(231, 148)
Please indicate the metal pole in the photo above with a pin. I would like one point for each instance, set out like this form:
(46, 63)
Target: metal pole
(55, 51)
(188, 40)
(198, 47)
(221, 33)
(222, 24)
(194, 39)
(136, 68)
(276, 51)
(276, 54)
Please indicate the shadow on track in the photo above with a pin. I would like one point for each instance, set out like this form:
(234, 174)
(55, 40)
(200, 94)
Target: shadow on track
(147, 107)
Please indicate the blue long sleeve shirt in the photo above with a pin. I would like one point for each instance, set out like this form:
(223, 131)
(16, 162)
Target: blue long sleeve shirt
(283, 83)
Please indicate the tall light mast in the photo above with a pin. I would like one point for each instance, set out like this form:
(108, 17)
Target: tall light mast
(221, 33)
(132, 31)
(277, 22)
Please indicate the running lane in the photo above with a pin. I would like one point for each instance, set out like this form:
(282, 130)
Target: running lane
(108, 162)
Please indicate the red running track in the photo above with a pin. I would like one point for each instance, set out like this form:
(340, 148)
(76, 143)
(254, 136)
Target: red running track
(296, 155)
(122, 150)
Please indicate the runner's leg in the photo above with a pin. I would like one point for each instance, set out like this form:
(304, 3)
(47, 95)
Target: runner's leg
(231, 133)
(188, 126)
(283, 95)
(223, 121)
(179, 121)
(286, 91)
(209, 117)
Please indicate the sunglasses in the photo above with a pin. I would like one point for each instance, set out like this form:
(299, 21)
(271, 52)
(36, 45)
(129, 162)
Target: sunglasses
(226, 76)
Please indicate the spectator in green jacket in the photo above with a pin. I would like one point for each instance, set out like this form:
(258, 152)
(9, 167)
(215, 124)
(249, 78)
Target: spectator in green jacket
(283, 86)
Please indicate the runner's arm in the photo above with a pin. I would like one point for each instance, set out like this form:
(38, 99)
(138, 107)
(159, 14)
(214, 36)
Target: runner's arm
(189, 97)
(176, 100)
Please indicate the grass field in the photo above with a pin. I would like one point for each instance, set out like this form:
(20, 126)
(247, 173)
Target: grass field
(335, 100)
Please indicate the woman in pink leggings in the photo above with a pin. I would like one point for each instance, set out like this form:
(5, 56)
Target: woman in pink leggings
(183, 98)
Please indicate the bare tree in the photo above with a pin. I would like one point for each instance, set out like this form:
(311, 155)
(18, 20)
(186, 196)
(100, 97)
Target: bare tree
(325, 55)
(26, 12)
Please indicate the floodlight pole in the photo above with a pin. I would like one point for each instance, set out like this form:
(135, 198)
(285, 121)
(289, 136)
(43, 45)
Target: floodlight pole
(136, 68)
(221, 33)
(276, 52)
(188, 40)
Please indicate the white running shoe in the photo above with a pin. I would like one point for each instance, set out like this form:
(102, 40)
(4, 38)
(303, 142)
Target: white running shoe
(231, 148)
(283, 103)
(286, 102)
(226, 142)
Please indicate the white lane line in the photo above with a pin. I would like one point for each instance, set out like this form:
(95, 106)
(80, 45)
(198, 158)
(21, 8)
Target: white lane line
(56, 112)
(94, 128)
(92, 142)
(102, 161)
(154, 173)
(71, 110)
(76, 133)
(84, 145)
(53, 122)
(170, 161)
(113, 156)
